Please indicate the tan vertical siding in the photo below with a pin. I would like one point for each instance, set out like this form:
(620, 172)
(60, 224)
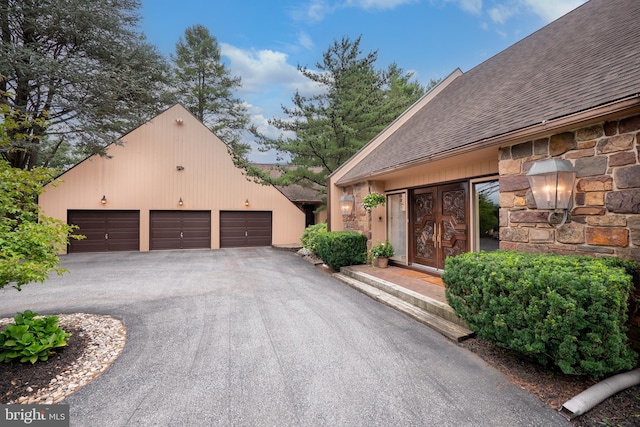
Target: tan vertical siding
(483, 162)
(142, 175)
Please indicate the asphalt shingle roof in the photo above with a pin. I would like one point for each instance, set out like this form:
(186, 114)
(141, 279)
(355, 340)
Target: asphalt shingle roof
(294, 192)
(585, 59)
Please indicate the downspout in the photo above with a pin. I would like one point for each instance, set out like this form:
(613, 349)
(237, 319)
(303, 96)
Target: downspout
(595, 394)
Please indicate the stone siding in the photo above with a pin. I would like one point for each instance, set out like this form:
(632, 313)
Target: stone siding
(605, 218)
(360, 219)
(606, 200)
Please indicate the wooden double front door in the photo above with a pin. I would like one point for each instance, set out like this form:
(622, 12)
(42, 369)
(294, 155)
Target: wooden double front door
(440, 223)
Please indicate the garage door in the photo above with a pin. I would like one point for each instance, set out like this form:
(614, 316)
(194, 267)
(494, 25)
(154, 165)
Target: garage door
(245, 229)
(180, 230)
(105, 231)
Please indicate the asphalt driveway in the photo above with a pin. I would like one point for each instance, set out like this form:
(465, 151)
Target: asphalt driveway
(260, 337)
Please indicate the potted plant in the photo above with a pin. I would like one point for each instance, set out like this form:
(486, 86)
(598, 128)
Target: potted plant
(381, 253)
(372, 200)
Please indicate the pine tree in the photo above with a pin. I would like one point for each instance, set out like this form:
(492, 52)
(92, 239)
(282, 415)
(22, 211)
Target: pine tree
(356, 103)
(206, 87)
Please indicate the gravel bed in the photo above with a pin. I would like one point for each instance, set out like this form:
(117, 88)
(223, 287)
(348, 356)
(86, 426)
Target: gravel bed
(105, 338)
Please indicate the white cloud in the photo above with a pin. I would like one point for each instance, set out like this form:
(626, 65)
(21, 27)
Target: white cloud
(260, 68)
(550, 10)
(305, 41)
(316, 10)
(502, 10)
(501, 13)
(376, 4)
(471, 6)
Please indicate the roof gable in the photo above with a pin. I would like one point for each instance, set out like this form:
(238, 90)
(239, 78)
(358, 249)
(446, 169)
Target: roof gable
(587, 58)
(171, 156)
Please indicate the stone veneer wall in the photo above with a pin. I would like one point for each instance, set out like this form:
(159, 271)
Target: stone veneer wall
(360, 219)
(605, 219)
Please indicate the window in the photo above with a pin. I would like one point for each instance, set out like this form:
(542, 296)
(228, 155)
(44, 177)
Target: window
(486, 214)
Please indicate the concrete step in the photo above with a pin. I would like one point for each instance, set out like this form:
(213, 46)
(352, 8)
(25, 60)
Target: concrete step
(447, 328)
(424, 302)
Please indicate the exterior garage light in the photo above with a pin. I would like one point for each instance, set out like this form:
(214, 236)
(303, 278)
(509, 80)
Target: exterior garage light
(346, 204)
(103, 200)
(179, 120)
(551, 183)
(246, 202)
(180, 202)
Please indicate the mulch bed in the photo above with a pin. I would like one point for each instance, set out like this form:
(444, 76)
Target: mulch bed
(555, 388)
(21, 379)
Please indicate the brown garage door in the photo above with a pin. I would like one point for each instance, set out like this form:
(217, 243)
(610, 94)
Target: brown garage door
(245, 229)
(105, 231)
(180, 230)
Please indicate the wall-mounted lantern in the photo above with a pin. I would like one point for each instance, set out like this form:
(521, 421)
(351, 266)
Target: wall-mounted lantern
(551, 183)
(346, 204)
(180, 202)
(246, 202)
(103, 200)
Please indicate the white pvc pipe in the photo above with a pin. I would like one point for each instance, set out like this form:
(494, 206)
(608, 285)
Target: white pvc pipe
(595, 394)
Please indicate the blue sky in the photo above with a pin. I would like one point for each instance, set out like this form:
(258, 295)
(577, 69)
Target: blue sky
(263, 41)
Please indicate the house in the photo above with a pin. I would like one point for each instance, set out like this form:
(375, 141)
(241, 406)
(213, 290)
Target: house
(307, 198)
(169, 184)
(570, 91)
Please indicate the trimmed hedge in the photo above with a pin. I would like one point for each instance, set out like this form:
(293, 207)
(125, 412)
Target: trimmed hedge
(566, 310)
(341, 248)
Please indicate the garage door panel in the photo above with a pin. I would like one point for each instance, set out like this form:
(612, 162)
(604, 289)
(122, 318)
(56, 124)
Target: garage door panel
(105, 230)
(180, 230)
(245, 228)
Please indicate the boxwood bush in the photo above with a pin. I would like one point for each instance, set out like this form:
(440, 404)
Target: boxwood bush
(566, 310)
(340, 248)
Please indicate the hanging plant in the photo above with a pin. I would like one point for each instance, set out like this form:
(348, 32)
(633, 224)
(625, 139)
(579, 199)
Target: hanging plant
(372, 200)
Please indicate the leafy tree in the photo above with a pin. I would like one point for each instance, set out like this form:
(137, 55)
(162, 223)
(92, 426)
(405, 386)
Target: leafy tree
(356, 103)
(82, 66)
(205, 86)
(488, 213)
(29, 241)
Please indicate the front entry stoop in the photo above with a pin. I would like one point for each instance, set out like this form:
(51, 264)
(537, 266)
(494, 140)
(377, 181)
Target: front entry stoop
(426, 310)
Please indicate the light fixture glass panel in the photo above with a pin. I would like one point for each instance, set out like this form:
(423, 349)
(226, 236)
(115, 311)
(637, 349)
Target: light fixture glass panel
(346, 204)
(543, 188)
(565, 189)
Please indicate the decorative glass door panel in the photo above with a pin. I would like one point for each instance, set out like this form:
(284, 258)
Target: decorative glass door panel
(397, 225)
(439, 223)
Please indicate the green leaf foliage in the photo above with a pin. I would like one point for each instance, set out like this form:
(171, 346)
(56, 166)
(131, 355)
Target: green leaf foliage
(29, 241)
(570, 311)
(83, 66)
(31, 338)
(341, 248)
(309, 238)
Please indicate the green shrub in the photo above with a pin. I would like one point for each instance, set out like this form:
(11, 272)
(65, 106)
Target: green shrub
(340, 248)
(31, 338)
(310, 235)
(566, 310)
